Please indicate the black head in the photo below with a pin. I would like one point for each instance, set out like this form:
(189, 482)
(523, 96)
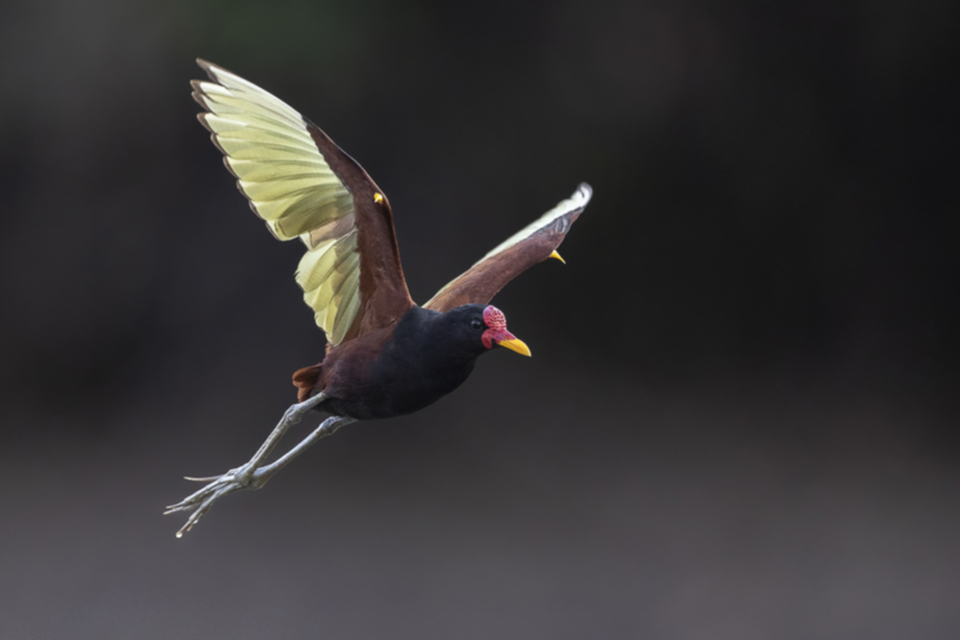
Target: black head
(477, 328)
(460, 330)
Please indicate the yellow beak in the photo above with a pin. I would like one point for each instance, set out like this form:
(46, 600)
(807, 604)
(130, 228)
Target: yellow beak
(516, 345)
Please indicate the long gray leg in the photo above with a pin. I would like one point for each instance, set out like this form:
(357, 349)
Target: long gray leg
(327, 428)
(246, 476)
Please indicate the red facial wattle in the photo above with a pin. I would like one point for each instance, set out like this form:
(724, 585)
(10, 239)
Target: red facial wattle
(497, 333)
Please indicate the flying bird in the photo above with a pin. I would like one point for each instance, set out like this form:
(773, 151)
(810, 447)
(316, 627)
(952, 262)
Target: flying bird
(385, 356)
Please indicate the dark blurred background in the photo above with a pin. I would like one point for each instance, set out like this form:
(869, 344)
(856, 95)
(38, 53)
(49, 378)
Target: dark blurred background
(740, 418)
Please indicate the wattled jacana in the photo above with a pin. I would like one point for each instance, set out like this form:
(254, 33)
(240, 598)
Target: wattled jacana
(385, 355)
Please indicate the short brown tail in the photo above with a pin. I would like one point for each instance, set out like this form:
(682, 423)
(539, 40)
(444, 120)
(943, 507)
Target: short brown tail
(306, 381)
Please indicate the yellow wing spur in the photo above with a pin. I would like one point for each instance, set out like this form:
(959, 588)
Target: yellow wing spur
(534, 243)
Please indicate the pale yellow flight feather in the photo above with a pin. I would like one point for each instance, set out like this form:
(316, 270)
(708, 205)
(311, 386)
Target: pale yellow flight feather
(267, 146)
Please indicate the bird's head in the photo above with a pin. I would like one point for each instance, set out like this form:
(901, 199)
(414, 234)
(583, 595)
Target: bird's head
(473, 329)
(495, 332)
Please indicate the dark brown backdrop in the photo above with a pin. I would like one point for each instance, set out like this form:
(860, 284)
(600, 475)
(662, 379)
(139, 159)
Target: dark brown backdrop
(739, 420)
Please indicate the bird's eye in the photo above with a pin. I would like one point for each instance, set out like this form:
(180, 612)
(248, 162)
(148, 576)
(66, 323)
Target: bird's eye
(476, 324)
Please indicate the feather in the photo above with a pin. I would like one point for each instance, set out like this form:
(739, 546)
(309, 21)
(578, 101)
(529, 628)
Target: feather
(304, 186)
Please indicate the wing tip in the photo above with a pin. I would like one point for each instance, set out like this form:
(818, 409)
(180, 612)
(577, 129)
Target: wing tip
(583, 193)
(210, 68)
(214, 71)
(197, 94)
(202, 118)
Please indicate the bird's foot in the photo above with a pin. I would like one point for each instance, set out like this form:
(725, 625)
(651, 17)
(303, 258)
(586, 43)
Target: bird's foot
(252, 475)
(247, 476)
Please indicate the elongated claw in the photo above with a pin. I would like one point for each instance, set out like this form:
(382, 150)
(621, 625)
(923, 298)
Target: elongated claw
(203, 479)
(201, 501)
(204, 506)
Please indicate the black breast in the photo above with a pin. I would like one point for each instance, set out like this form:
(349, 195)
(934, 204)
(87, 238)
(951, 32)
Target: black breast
(424, 360)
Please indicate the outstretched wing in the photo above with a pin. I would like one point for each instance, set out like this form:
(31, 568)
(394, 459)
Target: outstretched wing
(532, 244)
(303, 185)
